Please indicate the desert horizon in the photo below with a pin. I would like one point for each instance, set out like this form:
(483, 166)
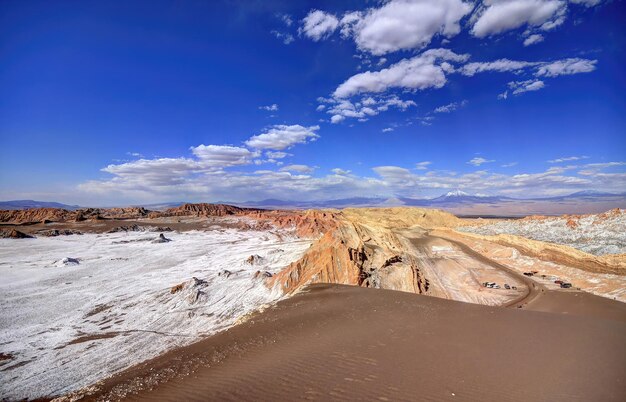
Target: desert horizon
(388, 200)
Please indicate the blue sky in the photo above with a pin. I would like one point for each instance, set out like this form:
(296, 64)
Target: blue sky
(140, 102)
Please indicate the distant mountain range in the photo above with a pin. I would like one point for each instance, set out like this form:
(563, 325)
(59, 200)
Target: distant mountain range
(450, 199)
(28, 204)
(458, 202)
(465, 204)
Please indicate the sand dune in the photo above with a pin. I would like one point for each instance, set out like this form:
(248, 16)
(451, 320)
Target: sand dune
(345, 343)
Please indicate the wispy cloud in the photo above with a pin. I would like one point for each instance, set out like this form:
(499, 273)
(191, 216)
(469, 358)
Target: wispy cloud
(270, 108)
(568, 159)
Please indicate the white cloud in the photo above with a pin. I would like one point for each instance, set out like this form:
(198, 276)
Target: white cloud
(501, 65)
(532, 39)
(280, 137)
(479, 161)
(497, 16)
(184, 178)
(223, 155)
(298, 169)
(286, 37)
(504, 95)
(568, 159)
(277, 154)
(519, 87)
(286, 18)
(506, 165)
(587, 3)
(541, 68)
(337, 118)
(154, 172)
(419, 72)
(566, 67)
(340, 109)
(340, 172)
(451, 107)
(318, 25)
(422, 165)
(387, 130)
(403, 24)
(270, 108)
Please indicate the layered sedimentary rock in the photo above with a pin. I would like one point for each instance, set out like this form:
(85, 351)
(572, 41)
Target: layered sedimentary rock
(557, 253)
(35, 215)
(204, 210)
(365, 249)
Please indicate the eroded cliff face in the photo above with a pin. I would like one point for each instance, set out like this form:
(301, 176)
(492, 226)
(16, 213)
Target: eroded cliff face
(365, 247)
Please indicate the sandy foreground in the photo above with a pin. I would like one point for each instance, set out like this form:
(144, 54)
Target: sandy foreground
(335, 342)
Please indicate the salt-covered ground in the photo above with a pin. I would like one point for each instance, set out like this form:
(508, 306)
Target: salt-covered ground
(593, 234)
(67, 325)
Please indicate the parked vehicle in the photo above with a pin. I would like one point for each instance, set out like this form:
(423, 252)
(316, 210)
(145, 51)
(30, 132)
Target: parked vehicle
(566, 285)
(506, 286)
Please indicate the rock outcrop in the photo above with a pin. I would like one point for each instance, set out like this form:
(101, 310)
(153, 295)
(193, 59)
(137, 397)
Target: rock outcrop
(35, 215)
(206, 210)
(14, 234)
(161, 239)
(363, 247)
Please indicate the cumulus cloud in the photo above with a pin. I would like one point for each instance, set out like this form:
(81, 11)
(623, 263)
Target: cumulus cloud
(280, 137)
(497, 16)
(270, 108)
(387, 130)
(479, 161)
(519, 87)
(419, 72)
(339, 171)
(154, 172)
(337, 118)
(422, 165)
(223, 155)
(340, 109)
(403, 24)
(532, 39)
(168, 178)
(318, 25)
